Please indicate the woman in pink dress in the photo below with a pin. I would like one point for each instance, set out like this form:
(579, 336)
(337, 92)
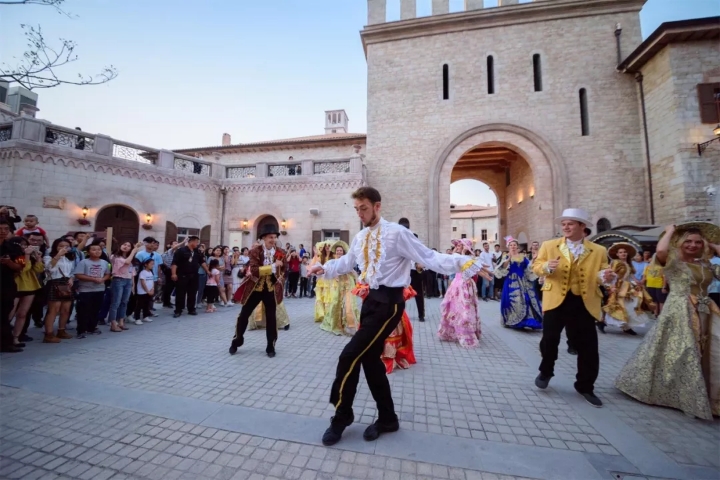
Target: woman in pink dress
(459, 314)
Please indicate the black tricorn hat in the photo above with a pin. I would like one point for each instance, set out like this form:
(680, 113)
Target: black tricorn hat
(268, 229)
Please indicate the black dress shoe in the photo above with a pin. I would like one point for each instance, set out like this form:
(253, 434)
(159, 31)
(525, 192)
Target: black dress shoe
(572, 351)
(373, 431)
(168, 305)
(176, 315)
(193, 313)
(334, 432)
(287, 327)
(541, 381)
(234, 346)
(630, 331)
(20, 345)
(11, 349)
(25, 338)
(422, 319)
(592, 399)
(271, 354)
(601, 327)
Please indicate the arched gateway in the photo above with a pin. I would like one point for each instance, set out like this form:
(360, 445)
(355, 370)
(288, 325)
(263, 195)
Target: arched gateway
(526, 173)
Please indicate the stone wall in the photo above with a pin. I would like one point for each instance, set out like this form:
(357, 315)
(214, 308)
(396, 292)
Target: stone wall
(298, 154)
(409, 121)
(465, 226)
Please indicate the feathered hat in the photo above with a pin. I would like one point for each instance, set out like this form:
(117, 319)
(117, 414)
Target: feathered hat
(466, 243)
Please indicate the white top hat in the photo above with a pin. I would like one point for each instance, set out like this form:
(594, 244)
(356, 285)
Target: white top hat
(576, 214)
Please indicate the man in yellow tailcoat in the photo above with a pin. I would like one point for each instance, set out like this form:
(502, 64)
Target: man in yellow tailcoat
(574, 269)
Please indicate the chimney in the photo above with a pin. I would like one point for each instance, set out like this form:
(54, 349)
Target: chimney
(226, 139)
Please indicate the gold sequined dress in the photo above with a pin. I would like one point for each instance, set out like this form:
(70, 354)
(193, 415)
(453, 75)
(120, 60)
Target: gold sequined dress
(678, 363)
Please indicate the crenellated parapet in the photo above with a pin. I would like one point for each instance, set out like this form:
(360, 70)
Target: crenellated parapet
(377, 9)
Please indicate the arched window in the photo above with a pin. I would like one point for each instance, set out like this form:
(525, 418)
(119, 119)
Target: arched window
(603, 225)
(584, 116)
(537, 72)
(446, 82)
(491, 74)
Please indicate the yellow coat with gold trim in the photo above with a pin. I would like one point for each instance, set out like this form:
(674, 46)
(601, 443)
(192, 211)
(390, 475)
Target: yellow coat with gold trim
(592, 261)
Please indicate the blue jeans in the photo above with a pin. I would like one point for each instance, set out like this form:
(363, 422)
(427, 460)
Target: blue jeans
(120, 293)
(487, 288)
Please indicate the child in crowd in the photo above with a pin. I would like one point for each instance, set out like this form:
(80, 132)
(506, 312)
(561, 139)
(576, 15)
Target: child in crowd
(211, 288)
(31, 226)
(91, 273)
(303, 277)
(145, 292)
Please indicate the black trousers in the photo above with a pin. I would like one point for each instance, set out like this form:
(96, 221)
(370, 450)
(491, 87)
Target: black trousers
(267, 297)
(715, 297)
(168, 289)
(143, 302)
(88, 308)
(580, 328)
(416, 282)
(6, 330)
(186, 289)
(294, 277)
(303, 286)
(312, 287)
(377, 321)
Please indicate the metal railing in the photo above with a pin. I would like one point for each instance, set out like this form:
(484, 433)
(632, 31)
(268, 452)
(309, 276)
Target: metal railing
(241, 172)
(192, 166)
(321, 168)
(64, 137)
(134, 153)
(284, 170)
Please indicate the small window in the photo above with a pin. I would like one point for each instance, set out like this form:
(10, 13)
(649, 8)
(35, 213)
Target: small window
(483, 234)
(462, 235)
(709, 101)
(334, 131)
(584, 117)
(331, 235)
(446, 82)
(184, 232)
(603, 225)
(490, 74)
(537, 72)
(454, 229)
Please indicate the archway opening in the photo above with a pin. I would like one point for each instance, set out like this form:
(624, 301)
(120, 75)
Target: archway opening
(473, 212)
(123, 220)
(510, 178)
(603, 225)
(266, 220)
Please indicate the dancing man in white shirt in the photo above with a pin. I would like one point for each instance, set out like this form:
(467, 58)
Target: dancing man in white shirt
(385, 253)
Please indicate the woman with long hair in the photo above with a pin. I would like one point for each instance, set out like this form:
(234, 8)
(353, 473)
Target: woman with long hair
(678, 363)
(342, 313)
(59, 263)
(217, 253)
(27, 283)
(230, 260)
(519, 304)
(459, 318)
(321, 294)
(628, 305)
(122, 283)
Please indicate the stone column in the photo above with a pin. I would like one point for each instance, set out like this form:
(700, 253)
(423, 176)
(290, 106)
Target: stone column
(217, 170)
(103, 145)
(408, 9)
(166, 159)
(355, 164)
(308, 167)
(440, 6)
(474, 5)
(377, 11)
(503, 3)
(28, 128)
(261, 170)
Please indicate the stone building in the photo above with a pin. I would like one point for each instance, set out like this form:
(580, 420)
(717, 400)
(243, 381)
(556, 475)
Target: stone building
(475, 222)
(552, 104)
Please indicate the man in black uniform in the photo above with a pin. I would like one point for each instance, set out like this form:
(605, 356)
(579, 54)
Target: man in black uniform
(416, 279)
(185, 265)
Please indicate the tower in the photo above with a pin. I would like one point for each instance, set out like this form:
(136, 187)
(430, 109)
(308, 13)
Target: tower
(336, 121)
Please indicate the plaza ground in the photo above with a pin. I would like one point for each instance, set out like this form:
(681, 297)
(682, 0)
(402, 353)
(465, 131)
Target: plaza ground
(165, 401)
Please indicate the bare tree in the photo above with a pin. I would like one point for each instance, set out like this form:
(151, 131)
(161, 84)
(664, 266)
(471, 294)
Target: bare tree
(38, 67)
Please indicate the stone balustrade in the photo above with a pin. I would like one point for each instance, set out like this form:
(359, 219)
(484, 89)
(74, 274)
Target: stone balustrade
(45, 136)
(377, 9)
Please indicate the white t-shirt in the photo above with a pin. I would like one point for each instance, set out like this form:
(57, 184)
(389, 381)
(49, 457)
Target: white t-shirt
(149, 281)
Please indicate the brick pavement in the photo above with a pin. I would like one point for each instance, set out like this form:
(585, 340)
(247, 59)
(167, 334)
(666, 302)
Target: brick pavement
(474, 399)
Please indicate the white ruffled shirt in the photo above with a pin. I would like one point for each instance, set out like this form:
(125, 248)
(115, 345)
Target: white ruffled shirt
(268, 260)
(387, 252)
(576, 248)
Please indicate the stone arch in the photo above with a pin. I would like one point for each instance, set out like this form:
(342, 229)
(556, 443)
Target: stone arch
(124, 221)
(548, 169)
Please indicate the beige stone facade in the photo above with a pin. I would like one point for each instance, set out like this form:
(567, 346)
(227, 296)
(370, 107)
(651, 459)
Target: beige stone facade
(478, 223)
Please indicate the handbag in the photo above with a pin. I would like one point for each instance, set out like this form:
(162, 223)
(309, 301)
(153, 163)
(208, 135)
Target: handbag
(63, 291)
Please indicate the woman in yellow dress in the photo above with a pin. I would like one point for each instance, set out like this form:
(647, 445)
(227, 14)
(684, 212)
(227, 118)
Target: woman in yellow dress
(342, 312)
(257, 319)
(628, 305)
(322, 255)
(678, 363)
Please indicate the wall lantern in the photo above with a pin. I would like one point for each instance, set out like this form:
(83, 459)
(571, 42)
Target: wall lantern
(148, 222)
(283, 227)
(702, 146)
(84, 221)
(85, 212)
(244, 225)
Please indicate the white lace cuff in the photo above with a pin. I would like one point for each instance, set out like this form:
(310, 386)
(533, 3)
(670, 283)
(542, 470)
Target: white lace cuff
(601, 278)
(472, 270)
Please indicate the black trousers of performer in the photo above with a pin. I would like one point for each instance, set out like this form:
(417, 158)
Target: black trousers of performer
(186, 289)
(580, 328)
(378, 318)
(168, 289)
(416, 282)
(267, 297)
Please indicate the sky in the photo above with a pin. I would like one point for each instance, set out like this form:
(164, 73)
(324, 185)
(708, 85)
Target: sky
(190, 71)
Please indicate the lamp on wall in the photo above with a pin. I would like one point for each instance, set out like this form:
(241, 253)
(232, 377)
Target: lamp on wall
(244, 225)
(283, 227)
(84, 220)
(148, 222)
(702, 146)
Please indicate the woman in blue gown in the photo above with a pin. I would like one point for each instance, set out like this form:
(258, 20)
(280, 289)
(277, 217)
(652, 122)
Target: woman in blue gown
(519, 303)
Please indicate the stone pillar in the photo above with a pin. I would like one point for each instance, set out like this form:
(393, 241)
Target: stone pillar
(377, 11)
(502, 3)
(217, 171)
(308, 167)
(30, 129)
(261, 170)
(166, 159)
(474, 5)
(440, 6)
(408, 9)
(103, 145)
(355, 164)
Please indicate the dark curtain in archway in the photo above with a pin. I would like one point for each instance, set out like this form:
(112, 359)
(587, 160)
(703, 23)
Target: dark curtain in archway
(124, 222)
